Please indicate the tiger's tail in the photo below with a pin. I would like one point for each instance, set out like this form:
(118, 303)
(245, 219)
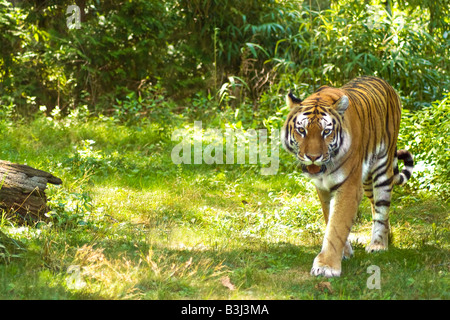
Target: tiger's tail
(408, 160)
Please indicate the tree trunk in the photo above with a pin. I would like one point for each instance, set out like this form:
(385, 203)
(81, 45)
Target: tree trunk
(22, 191)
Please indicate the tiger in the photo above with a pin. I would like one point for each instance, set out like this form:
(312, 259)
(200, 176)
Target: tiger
(345, 141)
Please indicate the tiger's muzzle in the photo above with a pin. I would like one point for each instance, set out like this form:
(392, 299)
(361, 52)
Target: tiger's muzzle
(313, 164)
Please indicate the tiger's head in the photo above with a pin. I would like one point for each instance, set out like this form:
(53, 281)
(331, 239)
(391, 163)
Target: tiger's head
(313, 129)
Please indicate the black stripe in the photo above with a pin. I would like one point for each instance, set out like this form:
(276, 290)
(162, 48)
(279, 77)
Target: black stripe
(290, 118)
(336, 186)
(343, 162)
(407, 174)
(382, 173)
(384, 223)
(385, 183)
(403, 155)
(290, 149)
(382, 203)
(380, 166)
(288, 128)
(322, 88)
(409, 163)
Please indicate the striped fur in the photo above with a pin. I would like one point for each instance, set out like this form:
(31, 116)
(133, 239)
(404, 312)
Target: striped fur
(345, 138)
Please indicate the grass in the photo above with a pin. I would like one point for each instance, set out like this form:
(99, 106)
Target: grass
(129, 224)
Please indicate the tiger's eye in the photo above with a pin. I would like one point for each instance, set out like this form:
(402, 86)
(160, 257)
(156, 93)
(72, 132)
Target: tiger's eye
(301, 130)
(326, 132)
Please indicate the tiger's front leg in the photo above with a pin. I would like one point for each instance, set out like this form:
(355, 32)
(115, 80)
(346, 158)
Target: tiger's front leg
(343, 208)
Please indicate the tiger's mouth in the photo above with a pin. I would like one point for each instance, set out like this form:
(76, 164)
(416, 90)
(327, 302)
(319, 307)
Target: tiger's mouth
(312, 169)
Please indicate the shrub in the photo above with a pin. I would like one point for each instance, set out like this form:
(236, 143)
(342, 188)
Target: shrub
(425, 133)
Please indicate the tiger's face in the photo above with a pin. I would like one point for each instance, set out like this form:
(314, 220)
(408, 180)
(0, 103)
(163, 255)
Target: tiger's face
(313, 137)
(313, 131)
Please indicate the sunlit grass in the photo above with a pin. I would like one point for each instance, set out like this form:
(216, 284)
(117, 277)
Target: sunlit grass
(132, 225)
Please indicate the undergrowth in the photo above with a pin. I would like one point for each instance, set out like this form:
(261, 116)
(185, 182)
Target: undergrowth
(127, 223)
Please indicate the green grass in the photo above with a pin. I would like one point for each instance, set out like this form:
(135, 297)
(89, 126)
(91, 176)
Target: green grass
(129, 224)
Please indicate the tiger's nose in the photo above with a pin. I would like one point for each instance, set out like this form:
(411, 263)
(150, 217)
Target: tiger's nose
(314, 157)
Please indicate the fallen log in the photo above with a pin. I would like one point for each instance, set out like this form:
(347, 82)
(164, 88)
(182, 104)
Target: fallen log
(22, 191)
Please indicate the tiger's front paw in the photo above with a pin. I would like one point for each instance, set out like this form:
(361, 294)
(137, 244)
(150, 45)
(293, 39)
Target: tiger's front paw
(323, 269)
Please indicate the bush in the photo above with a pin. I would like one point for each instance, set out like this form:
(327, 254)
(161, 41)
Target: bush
(250, 48)
(348, 40)
(425, 133)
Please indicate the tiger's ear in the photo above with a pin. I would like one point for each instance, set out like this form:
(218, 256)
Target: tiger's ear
(342, 105)
(292, 100)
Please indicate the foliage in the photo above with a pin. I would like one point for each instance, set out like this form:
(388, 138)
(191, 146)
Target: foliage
(146, 235)
(244, 49)
(92, 65)
(332, 46)
(70, 209)
(152, 105)
(425, 133)
(9, 248)
(97, 107)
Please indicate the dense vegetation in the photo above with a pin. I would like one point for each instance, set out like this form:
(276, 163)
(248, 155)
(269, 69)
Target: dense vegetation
(97, 107)
(189, 47)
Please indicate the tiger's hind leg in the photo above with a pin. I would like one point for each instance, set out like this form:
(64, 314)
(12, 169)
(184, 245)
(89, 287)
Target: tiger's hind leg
(378, 188)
